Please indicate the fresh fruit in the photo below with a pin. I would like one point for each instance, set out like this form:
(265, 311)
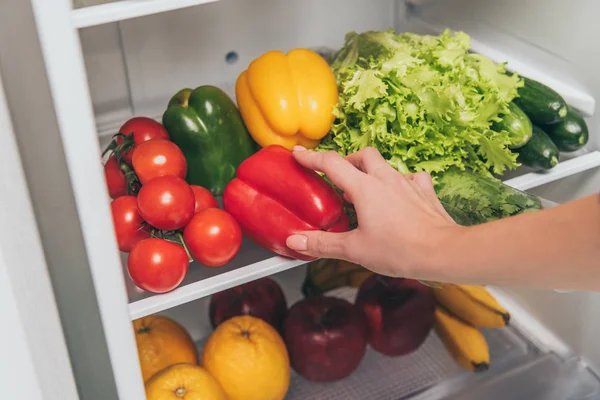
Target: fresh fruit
(162, 342)
(184, 382)
(128, 224)
(464, 342)
(273, 196)
(324, 275)
(166, 203)
(287, 99)
(472, 304)
(115, 178)
(156, 265)
(249, 359)
(213, 237)
(571, 133)
(400, 313)
(326, 338)
(541, 104)
(208, 127)
(516, 124)
(156, 158)
(138, 130)
(261, 298)
(203, 199)
(540, 152)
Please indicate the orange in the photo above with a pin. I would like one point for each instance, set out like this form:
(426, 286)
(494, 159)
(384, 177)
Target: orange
(249, 359)
(183, 382)
(162, 342)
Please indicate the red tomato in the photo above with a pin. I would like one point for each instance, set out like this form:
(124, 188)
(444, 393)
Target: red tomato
(127, 222)
(115, 178)
(158, 157)
(204, 198)
(166, 202)
(213, 237)
(143, 129)
(156, 265)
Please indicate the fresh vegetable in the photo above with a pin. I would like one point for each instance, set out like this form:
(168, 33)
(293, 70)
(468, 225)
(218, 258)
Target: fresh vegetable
(128, 224)
(273, 197)
(213, 237)
(207, 126)
(156, 158)
(115, 178)
(203, 199)
(571, 133)
(424, 102)
(540, 152)
(136, 131)
(166, 202)
(517, 126)
(157, 265)
(542, 104)
(324, 275)
(287, 99)
(473, 304)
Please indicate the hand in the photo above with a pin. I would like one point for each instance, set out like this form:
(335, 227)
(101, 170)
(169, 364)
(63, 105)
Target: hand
(402, 226)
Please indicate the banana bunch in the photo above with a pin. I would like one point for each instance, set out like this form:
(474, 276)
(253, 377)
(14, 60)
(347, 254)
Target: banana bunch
(461, 311)
(324, 275)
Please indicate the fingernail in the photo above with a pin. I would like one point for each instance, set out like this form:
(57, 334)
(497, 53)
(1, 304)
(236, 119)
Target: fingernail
(297, 242)
(298, 148)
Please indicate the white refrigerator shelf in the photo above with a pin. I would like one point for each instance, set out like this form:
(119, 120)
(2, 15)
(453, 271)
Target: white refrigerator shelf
(126, 9)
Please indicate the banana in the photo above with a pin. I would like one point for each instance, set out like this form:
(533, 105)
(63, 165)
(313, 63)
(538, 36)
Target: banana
(473, 304)
(324, 275)
(464, 342)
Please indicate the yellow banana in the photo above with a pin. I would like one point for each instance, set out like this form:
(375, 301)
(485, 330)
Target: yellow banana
(473, 304)
(326, 274)
(464, 342)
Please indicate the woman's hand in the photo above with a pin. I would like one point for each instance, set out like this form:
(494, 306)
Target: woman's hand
(402, 227)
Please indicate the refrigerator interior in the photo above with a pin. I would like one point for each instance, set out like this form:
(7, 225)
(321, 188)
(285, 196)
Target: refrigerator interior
(135, 65)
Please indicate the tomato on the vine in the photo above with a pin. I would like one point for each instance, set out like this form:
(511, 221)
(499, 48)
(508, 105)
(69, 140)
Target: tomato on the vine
(157, 265)
(115, 178)
(213, 237)
(166, 202)
(143, 129)
(158, 157)
(128, 224)
(204, 198)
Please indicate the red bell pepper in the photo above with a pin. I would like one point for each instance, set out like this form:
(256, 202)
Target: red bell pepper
(273, 197)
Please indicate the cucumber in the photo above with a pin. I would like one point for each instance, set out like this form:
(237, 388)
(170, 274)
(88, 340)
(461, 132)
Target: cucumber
(541, 104)
(571, 133)
(517, 124)
(540, 152)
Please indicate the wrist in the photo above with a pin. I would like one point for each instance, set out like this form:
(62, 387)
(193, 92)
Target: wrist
(449, 255)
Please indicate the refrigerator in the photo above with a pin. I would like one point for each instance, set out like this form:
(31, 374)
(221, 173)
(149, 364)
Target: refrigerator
(71, 72)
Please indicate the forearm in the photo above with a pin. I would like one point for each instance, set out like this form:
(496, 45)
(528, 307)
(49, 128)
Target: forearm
(555, 248)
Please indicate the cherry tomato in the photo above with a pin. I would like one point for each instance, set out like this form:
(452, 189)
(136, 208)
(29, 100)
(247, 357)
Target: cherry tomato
(115, 178)
(204, 198)
(166, 202)
(127, 222)
(213, 237)
(158, 157)
(156, 265)
(143, 129)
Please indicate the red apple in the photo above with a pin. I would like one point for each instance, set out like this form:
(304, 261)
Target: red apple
(400, 313)
(262, 298)
(326, 338)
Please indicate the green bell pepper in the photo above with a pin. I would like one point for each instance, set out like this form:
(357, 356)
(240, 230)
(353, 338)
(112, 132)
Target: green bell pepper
(208, 127)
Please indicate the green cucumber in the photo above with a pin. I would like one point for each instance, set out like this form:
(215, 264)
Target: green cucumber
(571, 133)
(517, 124)
(541, 104)
(540, 152)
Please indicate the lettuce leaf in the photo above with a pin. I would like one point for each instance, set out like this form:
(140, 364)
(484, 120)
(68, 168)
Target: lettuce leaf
(425, 102)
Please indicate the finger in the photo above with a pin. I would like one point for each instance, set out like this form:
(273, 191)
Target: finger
(343, 174)
(321, 244)
(370, 161)
(424, 182)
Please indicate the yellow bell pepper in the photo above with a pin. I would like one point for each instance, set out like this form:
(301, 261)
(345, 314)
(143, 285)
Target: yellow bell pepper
(287, 99)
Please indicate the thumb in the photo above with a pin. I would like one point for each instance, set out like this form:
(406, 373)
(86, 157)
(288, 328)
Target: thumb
(320, 244)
